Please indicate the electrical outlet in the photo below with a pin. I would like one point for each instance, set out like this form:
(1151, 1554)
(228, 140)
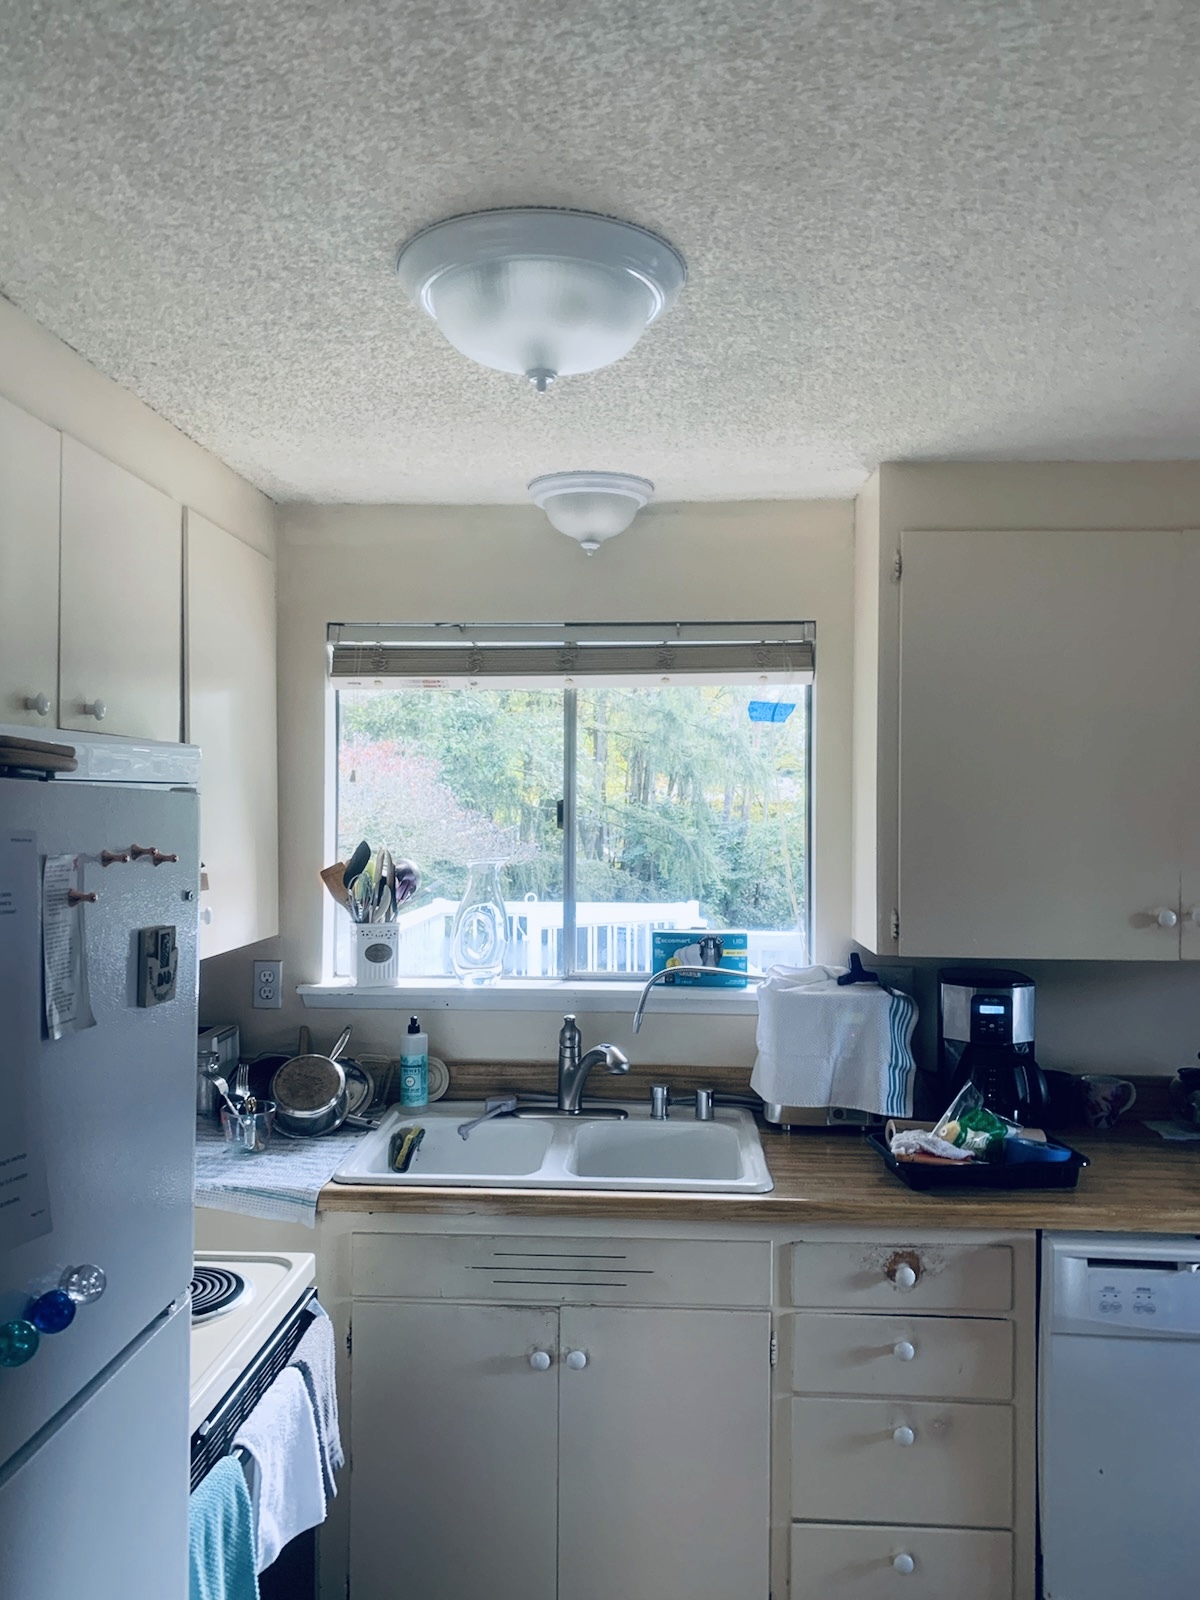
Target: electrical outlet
(268, 985)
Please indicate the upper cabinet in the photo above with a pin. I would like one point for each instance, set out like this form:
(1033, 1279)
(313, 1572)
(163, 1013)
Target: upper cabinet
(230, 705)
(120, 640)
(29, 470)
(1029, 761)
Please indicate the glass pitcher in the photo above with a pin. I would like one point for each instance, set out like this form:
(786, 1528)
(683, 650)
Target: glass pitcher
(479, 937)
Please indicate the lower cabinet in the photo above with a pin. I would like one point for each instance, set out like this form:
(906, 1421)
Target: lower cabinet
(566, 1453)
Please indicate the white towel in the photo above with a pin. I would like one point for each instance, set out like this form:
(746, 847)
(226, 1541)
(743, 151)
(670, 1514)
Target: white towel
(821, 1044)
(280, 1435)
(315, 1361)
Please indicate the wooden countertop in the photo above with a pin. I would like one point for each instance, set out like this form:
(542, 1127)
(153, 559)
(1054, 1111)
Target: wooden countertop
(1136, 1183)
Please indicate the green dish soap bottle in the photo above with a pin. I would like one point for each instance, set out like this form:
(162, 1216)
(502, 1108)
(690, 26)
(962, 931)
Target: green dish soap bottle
(414, 1066)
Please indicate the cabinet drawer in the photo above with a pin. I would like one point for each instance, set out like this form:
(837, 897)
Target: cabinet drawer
(878, 1277)
(549, 1271)
(848, 1462)
(860, 1563)
(948, 1358)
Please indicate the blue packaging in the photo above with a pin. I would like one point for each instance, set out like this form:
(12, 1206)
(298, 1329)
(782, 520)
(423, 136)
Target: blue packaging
(698, 946)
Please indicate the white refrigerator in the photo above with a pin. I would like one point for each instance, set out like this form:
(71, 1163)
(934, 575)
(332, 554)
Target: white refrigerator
(96, 1155)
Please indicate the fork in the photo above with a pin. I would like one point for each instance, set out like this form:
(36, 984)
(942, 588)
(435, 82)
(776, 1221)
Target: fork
(241, 1081)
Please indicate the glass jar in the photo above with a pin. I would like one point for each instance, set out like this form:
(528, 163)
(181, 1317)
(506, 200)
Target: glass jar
(479, 937)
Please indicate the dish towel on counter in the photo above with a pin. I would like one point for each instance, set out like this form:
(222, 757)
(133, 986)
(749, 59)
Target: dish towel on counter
(280, 1436)
(316, 1362)
(221, 1556)
(282, 1183)
(821, 1044)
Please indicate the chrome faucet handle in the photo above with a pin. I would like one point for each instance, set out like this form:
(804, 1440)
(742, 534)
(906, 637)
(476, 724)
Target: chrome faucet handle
(704, 1104)
(660, 1102)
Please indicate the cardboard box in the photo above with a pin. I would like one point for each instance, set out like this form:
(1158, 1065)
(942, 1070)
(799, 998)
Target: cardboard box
(684, 945)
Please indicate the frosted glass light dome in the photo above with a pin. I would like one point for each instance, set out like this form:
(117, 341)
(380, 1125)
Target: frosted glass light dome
(541, 292)
(590, 506)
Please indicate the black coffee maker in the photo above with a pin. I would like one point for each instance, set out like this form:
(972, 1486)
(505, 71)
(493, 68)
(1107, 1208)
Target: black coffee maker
(985, 1037)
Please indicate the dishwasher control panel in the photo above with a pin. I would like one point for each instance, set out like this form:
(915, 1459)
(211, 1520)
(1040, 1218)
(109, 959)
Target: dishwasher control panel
(1143, 1292)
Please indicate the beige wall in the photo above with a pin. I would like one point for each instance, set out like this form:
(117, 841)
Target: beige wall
(752, 561)
(1110, 1017)
(45, 377)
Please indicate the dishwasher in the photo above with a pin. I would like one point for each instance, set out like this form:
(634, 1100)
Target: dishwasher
(1119, 1404)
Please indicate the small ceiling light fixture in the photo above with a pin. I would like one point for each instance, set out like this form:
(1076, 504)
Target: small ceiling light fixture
(590, 506)
(538, 291)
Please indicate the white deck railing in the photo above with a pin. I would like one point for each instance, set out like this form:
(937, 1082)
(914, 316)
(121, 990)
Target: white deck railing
(613, 937)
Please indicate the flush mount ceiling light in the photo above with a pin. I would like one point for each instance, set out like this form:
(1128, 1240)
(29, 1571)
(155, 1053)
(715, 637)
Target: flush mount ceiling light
(541, 292)
(590, 506)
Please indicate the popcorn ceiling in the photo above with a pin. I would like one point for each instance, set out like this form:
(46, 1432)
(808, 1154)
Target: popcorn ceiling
(922, 229)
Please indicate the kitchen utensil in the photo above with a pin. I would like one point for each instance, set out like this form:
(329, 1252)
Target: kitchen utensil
(360, 1090)
(241, 1082)
(388, 888)
(408, 880)
(361, 897)
(334, 879)
(1105, 1098)
(356, 863)
(208, 1064)
(248, 1131)
(222, 1089)
(311, 1095)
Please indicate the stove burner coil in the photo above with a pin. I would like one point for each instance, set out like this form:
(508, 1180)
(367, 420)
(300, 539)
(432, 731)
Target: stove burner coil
(214, 1290)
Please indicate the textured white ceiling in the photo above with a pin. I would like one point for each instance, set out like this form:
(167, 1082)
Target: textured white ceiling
(916, 229)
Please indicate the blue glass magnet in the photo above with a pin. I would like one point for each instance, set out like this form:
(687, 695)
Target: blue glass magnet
(52, 1312)
(18, 1342)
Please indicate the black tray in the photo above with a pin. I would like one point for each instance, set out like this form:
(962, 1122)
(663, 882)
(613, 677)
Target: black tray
(984, 1174)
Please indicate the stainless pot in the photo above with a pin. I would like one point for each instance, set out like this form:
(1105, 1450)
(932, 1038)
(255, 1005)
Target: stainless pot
(311, 1096)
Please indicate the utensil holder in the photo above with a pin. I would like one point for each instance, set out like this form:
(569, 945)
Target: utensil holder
(376, 955)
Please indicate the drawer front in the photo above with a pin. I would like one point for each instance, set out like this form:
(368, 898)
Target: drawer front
(849, 1462)
(946, 1358)
(873, 1564)
(551, 1271)
(895, 1277)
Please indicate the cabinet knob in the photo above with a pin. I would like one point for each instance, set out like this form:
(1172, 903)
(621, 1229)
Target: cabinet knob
(39, 703)
(904, 1435)
(206, 916)
(160, 857)
(540, 1361)
(1194, 916)
(903, 1273)
(577, 1360)
(1164, 916)
(903, 1350)
(94, 708)
(78, 897)
(903, 1563)
(109, 857)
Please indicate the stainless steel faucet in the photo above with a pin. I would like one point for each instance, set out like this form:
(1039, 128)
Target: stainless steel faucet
(573, 1069)
(660, 977)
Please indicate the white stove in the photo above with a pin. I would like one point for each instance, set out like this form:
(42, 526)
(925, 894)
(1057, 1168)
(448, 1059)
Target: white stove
(239, 1300)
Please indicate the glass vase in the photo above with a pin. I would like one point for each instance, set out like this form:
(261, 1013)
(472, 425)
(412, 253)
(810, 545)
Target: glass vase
(479, 937)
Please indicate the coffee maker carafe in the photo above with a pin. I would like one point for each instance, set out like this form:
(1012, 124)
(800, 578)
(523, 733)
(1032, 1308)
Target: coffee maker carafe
(985, 1037)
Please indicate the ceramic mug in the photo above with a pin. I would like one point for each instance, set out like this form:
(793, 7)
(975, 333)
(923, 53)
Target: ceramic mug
(1105, 1098)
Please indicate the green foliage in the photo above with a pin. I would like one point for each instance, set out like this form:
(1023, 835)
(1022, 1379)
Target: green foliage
(680, 795)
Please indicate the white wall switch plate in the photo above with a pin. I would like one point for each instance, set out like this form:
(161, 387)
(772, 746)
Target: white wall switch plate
(268, 985)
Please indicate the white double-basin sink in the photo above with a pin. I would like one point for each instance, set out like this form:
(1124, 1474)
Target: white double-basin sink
(678, 1154)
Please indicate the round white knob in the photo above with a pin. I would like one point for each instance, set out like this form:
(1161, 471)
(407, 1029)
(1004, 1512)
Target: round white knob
(1164, 916)
(540, 1361)
(94, 708)
(904, 1277)
(904, 1435)
(903, 1350)
(1194, 916)
(38, 702)
(577, 1360)
(903, 1562)
(206, 916)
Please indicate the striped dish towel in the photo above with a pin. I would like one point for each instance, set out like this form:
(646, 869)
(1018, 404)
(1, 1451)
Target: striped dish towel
(824, 1045)
(282, 1183)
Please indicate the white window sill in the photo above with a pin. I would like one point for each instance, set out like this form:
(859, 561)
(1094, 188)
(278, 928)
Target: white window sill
(527, 994)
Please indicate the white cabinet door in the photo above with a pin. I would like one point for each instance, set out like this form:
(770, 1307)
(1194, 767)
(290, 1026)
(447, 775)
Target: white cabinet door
(1041, 721)
(230, 704)
(29, 467)
(120, 644)
(454, 1452)
(664, 1474)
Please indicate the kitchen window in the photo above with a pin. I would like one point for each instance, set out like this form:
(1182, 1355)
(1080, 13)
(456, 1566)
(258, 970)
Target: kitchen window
(620, 779)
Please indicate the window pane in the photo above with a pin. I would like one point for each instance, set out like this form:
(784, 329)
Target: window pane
(692, 812)
(446, 777)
